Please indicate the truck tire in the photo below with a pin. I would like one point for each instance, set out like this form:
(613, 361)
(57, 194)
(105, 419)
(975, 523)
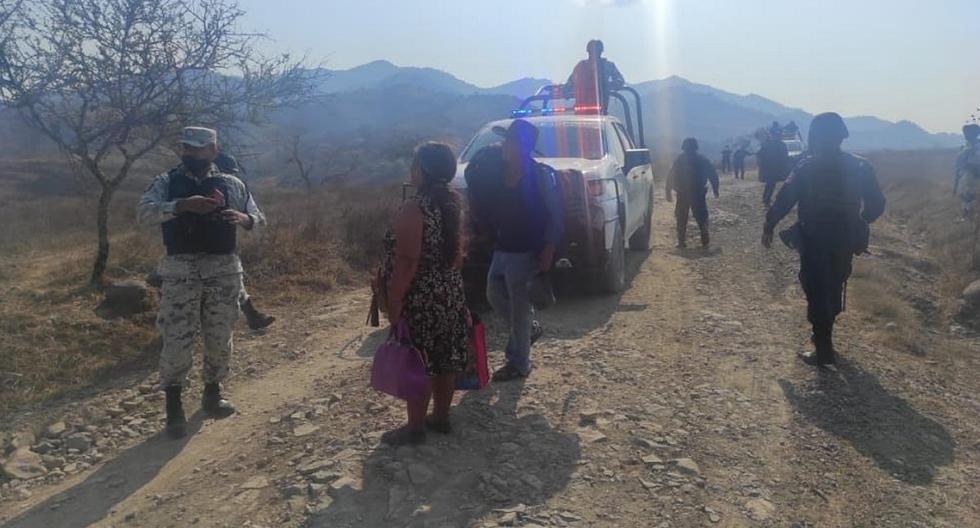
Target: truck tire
(612, 278)
(640, 240)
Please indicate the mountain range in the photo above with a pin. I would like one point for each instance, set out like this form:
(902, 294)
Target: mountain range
(674, 107)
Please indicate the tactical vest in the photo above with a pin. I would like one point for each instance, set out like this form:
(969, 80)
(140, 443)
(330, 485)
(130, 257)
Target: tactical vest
(830, 205)
(191, 233)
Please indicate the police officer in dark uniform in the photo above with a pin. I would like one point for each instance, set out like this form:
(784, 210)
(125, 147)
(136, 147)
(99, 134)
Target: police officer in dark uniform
(726, 160)
(689, 177)
(738, 158)
(838, 196)
(256, 319)
(593, 79)
(773, 159)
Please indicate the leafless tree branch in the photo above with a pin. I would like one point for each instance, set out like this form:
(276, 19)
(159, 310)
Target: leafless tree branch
(118, 78)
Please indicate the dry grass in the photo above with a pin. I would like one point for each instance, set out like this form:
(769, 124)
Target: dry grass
(51, 341)
(317, 244)
(921, 210)
(919, 187)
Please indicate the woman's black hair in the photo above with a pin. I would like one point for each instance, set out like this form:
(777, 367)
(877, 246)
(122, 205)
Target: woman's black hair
(437, 162)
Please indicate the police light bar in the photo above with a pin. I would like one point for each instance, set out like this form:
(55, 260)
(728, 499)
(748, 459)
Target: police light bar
(525, 112)
(593, 109)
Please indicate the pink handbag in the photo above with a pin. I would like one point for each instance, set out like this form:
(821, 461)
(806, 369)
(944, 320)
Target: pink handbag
(399, 368)
(477, 373)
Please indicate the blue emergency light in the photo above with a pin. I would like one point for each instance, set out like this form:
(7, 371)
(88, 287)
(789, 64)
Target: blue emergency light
(582, 110)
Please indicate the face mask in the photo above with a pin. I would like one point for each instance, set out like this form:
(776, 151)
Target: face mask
(195, 165)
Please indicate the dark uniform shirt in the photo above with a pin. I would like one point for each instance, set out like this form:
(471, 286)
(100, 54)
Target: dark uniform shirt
(740, 155)
(833, 192)
(773, 158)
(690, 175)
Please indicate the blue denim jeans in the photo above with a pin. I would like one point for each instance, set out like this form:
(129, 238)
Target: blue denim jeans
(507, 290)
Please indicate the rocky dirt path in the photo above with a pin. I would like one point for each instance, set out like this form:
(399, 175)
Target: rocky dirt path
(679, 403)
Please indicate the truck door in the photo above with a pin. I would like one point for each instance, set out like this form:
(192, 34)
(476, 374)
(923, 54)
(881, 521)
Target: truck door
(637, 189)
(640, 179)
(618, 154)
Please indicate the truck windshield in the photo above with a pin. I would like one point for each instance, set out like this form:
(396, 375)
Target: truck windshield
(555, 140)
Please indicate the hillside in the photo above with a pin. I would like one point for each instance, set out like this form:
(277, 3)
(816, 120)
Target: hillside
(674, 107)
(379, 99)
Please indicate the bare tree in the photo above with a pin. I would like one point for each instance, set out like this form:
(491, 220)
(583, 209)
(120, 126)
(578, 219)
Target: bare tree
(319, 166)
(298, 155)
(110, 81)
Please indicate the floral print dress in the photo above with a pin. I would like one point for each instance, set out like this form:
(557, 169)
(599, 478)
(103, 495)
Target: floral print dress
(434, 305)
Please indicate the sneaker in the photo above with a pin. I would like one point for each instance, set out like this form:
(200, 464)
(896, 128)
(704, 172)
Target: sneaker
(815, 359)
(536, 331)
(507, 373)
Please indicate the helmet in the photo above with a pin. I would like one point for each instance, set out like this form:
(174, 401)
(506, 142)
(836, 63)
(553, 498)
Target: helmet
(596, 45)
(828, 127)
(689, 145)
(971, 131)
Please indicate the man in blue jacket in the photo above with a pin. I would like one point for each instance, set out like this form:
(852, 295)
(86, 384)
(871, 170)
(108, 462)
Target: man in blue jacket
(528, 230)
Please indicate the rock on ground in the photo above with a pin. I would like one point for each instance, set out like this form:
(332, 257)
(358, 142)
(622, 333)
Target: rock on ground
(24, 464)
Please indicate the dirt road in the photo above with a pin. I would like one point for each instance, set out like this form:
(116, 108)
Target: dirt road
(679, 403)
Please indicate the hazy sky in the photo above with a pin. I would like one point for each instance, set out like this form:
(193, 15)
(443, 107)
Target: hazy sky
(896, 59)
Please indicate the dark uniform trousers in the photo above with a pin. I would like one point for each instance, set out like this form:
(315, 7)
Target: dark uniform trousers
(770, 190)
(740, 170)
(825, 267)
(685, 206)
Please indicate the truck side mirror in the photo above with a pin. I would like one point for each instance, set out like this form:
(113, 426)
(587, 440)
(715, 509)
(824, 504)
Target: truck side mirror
(635, 158)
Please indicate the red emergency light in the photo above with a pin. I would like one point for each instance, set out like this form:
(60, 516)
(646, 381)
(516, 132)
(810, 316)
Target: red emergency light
(591, 109)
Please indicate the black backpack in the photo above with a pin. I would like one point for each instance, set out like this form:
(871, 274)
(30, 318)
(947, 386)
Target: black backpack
(484, 183)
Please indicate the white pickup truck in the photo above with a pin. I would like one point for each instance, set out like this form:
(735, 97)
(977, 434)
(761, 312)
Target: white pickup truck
(606, 183)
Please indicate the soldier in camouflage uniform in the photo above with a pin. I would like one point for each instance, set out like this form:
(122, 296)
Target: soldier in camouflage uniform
(199, 210)
(256, 319)
(967, 182)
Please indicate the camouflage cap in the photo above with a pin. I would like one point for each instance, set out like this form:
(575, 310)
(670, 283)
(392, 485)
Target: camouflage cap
(198, 136)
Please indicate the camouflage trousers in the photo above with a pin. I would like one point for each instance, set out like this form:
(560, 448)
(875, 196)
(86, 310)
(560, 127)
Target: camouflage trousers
(192, 306)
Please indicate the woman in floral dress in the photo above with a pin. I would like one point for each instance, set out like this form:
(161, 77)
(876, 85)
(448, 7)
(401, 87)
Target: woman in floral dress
(423, 257)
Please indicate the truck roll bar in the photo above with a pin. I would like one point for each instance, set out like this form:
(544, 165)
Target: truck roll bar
(547, 93)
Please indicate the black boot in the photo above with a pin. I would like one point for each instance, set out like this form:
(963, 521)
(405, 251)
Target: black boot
(823, 345)
(176, 421)
(705, 238)
(681, 236)
(214, 404)
(256, 319)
